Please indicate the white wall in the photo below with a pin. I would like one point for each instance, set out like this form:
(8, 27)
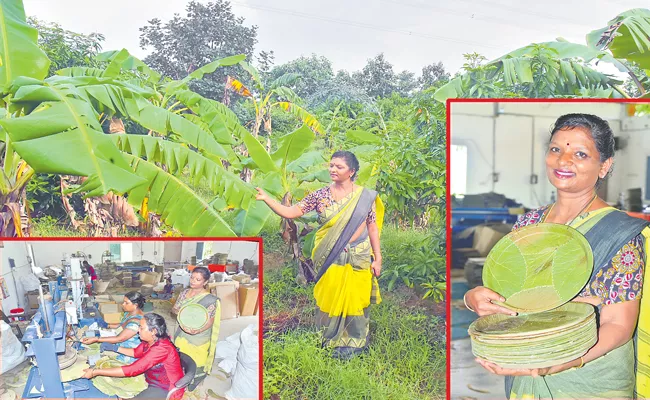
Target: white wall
(520, 135)
(236, 250)
(15, 250)
(50, 253)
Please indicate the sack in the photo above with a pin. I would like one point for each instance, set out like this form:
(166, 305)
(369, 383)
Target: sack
(13, 352)
(245, 379)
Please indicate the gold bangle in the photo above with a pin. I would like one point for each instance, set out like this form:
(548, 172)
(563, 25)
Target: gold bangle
(582, 362)
(465, 301)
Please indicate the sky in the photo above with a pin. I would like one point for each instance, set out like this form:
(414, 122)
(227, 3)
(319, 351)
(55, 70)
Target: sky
(411, 33)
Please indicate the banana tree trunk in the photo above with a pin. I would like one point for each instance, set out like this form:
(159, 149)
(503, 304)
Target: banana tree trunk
(306, 272)
(14, 221)
(65, 199)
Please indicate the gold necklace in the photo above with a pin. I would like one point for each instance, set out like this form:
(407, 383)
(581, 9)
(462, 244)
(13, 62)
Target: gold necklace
(574, 218)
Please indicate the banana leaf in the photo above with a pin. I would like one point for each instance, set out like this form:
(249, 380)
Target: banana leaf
(178, 206)
(64, 137)
(19, 51)
(627, 36)
(176, 157)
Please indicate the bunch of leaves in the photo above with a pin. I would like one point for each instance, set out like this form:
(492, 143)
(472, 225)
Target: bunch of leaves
(44, 196)
(125, 388)
(66, 48)
(405, 360)
(416, 259)
(564, 69)
(399, 159)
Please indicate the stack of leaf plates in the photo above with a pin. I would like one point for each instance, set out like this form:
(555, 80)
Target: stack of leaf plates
(537, 269)
(537, 340)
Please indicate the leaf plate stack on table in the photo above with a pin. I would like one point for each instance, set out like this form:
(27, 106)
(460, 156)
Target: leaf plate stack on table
(537, 269)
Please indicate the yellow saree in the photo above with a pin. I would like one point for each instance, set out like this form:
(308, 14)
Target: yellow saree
(345, 284)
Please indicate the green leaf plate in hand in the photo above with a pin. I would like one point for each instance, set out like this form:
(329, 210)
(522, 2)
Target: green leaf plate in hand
(192, 316)
(538, 267)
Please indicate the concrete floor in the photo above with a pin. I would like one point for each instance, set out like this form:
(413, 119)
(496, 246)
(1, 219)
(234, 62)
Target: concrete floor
(218, 382)
(468, 379)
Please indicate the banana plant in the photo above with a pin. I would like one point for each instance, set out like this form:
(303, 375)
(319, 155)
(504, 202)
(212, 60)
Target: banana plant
(265, 99)
(51, 125)
(562, 68)
(21, 57)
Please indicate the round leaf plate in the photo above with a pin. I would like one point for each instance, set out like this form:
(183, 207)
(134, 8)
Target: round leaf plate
(192, 316)
(539, 267)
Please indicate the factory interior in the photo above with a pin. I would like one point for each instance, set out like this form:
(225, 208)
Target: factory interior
(62, 303)
(497, 173)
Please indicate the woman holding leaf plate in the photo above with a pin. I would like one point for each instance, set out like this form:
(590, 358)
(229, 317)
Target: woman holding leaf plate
(579, 157)
(199, 318)
(346, 254)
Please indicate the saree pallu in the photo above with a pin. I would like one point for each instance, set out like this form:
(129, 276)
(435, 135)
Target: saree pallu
(200, 347)
(623, 373)
(346, 285)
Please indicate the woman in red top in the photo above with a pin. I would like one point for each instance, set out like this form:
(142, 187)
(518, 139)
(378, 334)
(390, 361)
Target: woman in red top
(90, 270)
(156, 356)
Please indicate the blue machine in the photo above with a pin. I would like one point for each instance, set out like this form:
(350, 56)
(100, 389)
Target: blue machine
(44, 380)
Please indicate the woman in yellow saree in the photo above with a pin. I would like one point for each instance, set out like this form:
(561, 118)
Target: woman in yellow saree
(200, 344)
(346, 254)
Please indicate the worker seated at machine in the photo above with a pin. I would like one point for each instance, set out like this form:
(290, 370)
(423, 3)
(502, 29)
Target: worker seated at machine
(127, 330)
(157, 358)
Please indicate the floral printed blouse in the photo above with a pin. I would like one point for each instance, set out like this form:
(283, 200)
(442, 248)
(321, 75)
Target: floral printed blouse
(322, 198)
(620, 280)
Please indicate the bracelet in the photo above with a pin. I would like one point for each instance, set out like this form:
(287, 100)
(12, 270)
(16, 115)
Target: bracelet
(465, 301)
(582, 362)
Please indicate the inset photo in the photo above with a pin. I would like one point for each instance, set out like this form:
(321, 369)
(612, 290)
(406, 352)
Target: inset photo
(131, 319)
(549, 214)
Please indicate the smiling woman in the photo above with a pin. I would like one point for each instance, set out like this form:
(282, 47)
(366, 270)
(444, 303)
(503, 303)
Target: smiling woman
(579, 156)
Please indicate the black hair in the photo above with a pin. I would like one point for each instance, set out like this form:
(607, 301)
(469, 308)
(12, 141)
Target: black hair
(205, 273)
(350, 159)
(85, 262)
(157, 322)
(599, 129)
(136, 298)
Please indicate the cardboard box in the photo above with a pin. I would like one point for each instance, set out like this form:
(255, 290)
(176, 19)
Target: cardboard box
(110, 307)
(111, 312)
(242, 278)
(248, 299)
(150, 278)
(232, 268)
(486, 236)
(104, 298)
(32, 300)
(227, 294)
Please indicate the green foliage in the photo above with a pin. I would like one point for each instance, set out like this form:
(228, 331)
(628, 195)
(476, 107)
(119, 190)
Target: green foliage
(313, 71)
(208, 31)
(67, 49)
(415, 258)
(377, 78)
(48, 226)
(44, 196)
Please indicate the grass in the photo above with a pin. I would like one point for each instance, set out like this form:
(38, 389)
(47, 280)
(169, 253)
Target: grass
(406, 358)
